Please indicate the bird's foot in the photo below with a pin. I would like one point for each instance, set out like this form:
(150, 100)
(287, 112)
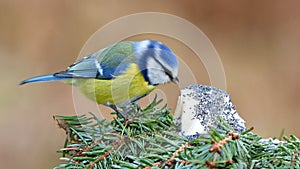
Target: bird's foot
(128, 112)
(119, 112)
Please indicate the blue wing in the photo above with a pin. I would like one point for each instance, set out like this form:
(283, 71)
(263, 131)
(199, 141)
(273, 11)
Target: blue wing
(92, 67)
(104, 64)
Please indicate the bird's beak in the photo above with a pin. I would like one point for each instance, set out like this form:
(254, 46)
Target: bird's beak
(175, 80)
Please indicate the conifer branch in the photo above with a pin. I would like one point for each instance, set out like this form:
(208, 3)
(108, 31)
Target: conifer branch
(150, 139)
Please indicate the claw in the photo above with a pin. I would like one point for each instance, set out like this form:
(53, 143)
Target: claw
(132, 107)
(115, 108)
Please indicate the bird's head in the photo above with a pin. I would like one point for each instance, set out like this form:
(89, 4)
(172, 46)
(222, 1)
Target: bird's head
(156, 61)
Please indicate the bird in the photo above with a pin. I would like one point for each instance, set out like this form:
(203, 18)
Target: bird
(120, 74)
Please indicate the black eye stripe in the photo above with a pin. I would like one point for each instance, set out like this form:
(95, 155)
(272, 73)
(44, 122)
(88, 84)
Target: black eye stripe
(167, 71)
(170, 76)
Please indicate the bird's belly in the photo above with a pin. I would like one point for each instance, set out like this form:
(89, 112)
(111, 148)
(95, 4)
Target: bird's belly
(120, 90)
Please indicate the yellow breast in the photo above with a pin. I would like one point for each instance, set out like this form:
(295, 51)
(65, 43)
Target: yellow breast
(120, 90)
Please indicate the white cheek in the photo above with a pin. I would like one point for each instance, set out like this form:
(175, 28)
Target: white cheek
(152, 64)
(158, 53)
(156, 73)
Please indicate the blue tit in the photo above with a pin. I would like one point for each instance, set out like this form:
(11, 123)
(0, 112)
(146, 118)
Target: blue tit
(120, 74)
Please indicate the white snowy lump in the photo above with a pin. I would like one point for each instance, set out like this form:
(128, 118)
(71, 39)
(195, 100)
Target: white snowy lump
(198, 108)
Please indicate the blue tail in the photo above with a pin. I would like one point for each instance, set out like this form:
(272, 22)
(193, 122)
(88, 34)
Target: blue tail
(44, 78)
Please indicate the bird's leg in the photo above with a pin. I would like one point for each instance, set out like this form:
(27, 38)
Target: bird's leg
(131, 110)
(133, 102)
(127, 110)
(115, 108)
(138, 107)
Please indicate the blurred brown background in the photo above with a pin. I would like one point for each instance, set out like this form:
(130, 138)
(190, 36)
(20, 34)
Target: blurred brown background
(258, 42)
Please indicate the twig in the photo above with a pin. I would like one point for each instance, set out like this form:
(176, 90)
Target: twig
(171, 159)
(62, 124)
(115, 145)
(216, 146)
